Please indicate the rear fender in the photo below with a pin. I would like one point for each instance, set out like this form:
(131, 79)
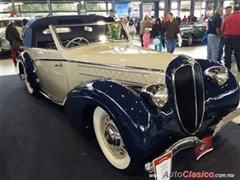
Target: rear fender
(24, 60)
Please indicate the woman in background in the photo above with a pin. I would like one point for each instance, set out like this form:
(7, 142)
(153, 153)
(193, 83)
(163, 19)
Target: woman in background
(157, 32)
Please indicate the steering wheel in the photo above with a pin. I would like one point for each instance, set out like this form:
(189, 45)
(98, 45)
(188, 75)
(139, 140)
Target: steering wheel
(78, 42)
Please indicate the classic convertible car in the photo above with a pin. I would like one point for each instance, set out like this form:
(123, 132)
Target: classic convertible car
(191, 32)
(140, 102)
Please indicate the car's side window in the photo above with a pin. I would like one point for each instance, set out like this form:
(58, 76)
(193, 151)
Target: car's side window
(45, 41)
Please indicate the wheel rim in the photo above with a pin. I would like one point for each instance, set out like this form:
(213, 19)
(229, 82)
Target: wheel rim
(190, 40)
(110, 140)
(29, 88)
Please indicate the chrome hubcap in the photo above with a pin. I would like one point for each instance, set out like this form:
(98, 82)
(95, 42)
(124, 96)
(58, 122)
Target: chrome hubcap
(190, 40)
(112, 138)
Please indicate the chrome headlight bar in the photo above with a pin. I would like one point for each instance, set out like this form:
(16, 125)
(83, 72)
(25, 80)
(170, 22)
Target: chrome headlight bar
(218, 74)
(158, 94)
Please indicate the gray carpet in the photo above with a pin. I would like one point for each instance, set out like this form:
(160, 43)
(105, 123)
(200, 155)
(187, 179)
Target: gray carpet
(38, 142)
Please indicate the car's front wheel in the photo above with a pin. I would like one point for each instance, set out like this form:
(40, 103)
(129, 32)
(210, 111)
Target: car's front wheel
(110, 141)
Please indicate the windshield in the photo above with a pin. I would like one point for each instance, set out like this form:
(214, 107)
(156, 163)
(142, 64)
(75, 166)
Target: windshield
(81, 35)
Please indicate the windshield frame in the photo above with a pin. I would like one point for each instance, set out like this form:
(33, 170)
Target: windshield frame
(54, 28)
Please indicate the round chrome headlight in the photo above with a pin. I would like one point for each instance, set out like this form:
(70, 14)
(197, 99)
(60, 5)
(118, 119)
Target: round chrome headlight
(158, 94)
(218, 74)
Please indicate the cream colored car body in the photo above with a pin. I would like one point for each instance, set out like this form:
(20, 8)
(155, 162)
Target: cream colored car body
(59, 71)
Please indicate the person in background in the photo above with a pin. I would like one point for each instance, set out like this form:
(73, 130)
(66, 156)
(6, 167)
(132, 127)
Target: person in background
(111, 14)
(214, 34)
(163, 33)
(12, 14)
(178, 20)
(228, 11)
(137, 25)
(172, 29)
(184, 20)
(14, 39)
(146, 38)
(144, 24)
(231, 29)
(205, 18)
(24, 22)
(201, 19)
(157, 32)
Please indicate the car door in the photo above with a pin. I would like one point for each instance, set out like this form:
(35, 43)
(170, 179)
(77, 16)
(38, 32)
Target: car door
(51, 69)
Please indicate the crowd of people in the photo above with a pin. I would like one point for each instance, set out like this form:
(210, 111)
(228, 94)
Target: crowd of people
(224, 31)
(150, 28)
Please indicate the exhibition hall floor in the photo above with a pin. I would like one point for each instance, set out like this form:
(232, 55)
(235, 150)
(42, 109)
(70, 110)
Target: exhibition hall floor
(38, 142)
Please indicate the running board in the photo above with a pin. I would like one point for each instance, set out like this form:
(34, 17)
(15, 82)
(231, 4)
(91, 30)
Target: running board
(51, 99)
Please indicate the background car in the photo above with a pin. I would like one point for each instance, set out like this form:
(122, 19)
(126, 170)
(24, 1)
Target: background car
(191, 32)
(138, 101)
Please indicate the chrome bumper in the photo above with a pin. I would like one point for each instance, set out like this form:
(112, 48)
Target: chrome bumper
(194, 141)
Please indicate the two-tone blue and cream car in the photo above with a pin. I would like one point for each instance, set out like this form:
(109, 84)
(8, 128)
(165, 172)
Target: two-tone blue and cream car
(140, 102)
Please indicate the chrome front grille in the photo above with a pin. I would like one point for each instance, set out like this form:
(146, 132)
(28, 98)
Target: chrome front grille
(189, 96)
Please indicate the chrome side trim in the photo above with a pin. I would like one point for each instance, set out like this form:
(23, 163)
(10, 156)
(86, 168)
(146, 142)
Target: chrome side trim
(51, 99)
(226, 120)
(103, 65)
(175, 148)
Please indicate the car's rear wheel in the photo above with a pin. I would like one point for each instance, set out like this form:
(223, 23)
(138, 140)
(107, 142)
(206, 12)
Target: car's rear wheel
(110, 141)
(30, 89)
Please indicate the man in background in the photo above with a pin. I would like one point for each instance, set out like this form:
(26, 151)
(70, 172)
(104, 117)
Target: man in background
(14, 39)
(24, 22)
(231, 29)
(144, 24)
(184, 20)
(172, 29)
(228, 11)
(214, 34)
(111, 15)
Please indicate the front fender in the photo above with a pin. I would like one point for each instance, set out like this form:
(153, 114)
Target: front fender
(135, 119)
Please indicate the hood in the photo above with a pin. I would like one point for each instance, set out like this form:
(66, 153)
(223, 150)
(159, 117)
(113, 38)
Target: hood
(121, 55)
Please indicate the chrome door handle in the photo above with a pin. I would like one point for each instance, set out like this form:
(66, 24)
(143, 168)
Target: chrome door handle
(58, 65)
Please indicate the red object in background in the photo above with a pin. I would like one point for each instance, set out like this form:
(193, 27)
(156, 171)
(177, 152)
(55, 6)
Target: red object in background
(184, 19)
(204, 148)
(12, 14)
(14, 54)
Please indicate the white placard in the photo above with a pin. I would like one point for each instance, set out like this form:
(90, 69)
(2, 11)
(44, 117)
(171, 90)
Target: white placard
(163, 167)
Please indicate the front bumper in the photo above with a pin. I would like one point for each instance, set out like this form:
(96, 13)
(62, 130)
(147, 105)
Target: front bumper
(194, 141)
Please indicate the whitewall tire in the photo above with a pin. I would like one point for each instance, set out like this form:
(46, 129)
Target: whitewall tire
(28, 85)
(110, 140)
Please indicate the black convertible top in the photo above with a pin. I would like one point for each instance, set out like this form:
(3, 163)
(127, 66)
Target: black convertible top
(44, 22)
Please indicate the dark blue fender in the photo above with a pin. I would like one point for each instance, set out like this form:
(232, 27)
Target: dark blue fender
(141, 125)
(28, 65)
